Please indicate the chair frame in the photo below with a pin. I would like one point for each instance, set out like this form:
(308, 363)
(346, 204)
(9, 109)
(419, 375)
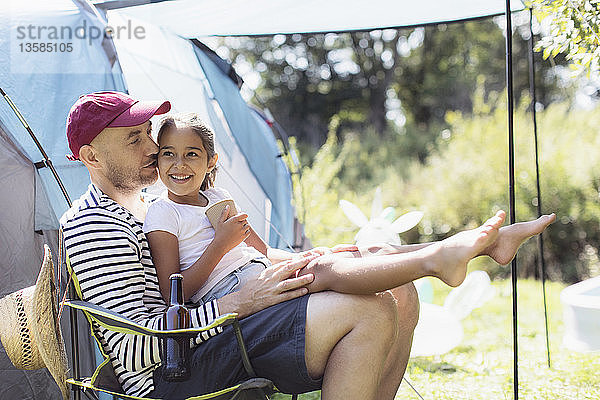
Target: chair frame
(116, 322)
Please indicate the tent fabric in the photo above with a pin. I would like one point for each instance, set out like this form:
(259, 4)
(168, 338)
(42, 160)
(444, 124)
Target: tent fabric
(280, 189)
(193, 18)
(45, 85)
(166, 66)
(256, 141)
(19, 246)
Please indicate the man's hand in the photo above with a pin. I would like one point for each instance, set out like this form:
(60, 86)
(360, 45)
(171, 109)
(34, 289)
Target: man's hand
(229, 232)
(276, 284)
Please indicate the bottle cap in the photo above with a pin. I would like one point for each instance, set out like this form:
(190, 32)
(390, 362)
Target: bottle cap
(176, 276)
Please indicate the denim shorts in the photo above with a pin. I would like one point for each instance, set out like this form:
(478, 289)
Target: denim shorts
(236, 279)
(275, 341)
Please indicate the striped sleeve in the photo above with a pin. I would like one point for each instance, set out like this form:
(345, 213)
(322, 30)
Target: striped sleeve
(111, 266)
(204, 315)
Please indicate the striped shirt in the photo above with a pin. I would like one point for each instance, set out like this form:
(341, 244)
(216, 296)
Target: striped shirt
(110, 256)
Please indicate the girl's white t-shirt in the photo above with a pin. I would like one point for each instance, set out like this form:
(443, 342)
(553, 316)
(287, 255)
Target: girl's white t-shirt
(194, 233)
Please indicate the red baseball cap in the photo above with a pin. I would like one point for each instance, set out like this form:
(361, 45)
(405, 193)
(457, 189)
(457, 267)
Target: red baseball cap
(93, 112)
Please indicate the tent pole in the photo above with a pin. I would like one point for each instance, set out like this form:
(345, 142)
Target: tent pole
(540, 240)
(47, 160)
(48, 163)
(511, 179)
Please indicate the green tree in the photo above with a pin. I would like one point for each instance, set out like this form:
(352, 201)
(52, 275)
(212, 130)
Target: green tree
(366, 78)
(461, 186)
(573, 31)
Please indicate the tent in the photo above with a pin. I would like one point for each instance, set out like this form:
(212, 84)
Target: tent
(172, 65)
(43, 86)
(192, 18)
(31, 201)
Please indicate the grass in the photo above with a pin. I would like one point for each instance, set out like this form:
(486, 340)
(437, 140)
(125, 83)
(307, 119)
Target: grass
(482, 366)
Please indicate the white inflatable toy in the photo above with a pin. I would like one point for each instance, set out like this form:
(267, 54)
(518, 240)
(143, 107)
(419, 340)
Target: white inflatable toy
(439, 329)
(380, 228)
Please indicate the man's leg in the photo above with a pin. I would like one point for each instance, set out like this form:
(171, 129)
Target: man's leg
(407, 302)
(348, 340)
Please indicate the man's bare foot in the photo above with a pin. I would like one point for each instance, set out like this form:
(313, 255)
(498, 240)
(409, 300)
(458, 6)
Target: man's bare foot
(511, 237)
(455, 252)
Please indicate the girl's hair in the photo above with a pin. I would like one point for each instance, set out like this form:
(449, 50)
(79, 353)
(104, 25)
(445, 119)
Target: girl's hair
(193, 121)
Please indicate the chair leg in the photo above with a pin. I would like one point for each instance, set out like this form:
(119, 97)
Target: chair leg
(90, 395)
(74, 344)
(242, 347)
(294, 397)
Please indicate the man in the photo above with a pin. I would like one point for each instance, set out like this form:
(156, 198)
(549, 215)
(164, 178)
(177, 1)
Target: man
(349, 346)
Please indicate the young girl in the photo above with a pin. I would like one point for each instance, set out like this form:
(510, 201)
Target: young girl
(217, 261)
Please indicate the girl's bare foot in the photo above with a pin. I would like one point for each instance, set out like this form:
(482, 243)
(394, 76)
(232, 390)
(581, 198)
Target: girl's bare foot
(511, 237)
(453, 254)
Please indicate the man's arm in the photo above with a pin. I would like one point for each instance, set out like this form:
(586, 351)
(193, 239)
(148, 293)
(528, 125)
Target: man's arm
(114, 271)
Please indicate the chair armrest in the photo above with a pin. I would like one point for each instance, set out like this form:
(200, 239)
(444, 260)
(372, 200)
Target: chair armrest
(118, 323)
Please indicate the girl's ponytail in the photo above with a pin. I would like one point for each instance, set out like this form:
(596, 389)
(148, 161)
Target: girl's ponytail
(209, 179)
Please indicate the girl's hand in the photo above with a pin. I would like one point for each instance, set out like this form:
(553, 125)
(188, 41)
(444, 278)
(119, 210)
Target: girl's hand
(229, 232)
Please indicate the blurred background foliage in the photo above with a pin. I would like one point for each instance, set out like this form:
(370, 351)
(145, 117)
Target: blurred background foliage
(422, 113)
(382, 79)
(464, 184)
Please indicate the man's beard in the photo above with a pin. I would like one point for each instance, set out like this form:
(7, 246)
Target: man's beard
(128, 180)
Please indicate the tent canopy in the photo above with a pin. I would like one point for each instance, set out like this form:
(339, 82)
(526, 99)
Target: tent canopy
(193, 18)
(44, 85)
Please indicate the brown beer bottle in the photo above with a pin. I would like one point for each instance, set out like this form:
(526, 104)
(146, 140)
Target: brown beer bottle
(176, 352)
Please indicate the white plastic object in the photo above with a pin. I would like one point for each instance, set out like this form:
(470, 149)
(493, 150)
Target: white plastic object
(438, 331)
(471, 294)
(581, 314)
(380, 228)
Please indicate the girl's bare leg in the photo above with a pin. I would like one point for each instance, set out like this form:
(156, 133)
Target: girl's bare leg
(511, 237)
(503, 250)
(446, 260)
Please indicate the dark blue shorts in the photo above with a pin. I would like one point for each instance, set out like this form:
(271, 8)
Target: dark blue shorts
(274, 340)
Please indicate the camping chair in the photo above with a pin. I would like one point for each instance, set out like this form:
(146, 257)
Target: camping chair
(104, 378)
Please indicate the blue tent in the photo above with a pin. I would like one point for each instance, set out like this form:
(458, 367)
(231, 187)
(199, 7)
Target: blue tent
(43, 84)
